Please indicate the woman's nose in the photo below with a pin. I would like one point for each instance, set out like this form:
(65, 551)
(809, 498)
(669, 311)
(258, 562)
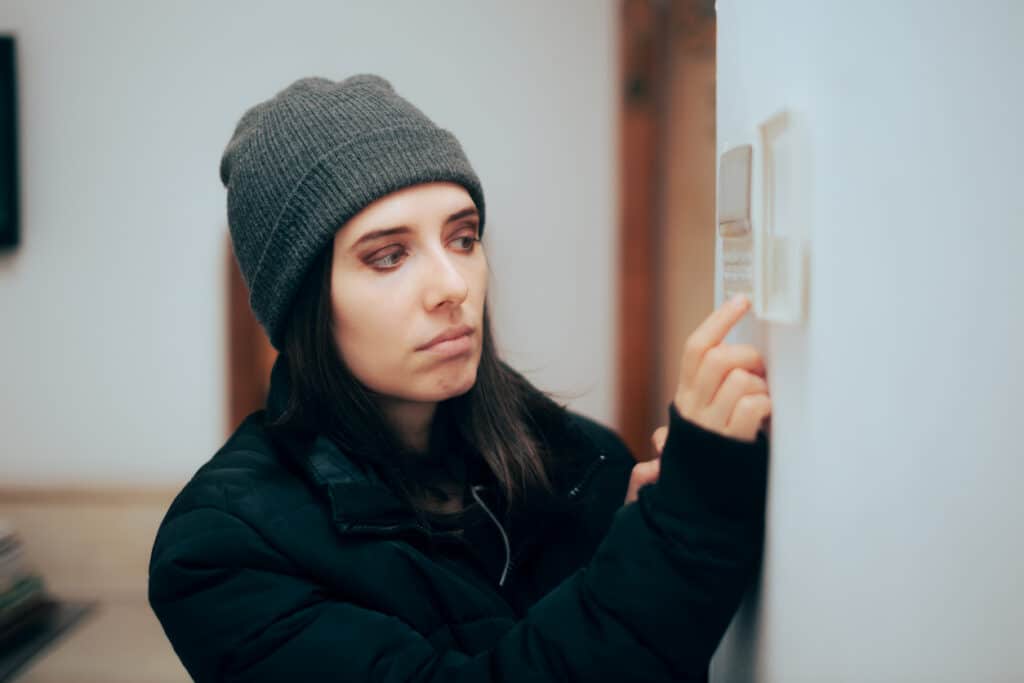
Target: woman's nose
(445, 282)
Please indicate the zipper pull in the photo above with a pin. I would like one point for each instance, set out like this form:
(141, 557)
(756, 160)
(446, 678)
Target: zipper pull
(575, 490)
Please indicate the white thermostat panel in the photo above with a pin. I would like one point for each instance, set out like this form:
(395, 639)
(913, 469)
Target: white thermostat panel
(763, 220)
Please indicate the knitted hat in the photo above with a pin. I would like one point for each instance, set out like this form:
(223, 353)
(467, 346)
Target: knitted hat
(300, 164)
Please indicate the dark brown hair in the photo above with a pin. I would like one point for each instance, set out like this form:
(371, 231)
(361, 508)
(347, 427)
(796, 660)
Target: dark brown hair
(502, 420)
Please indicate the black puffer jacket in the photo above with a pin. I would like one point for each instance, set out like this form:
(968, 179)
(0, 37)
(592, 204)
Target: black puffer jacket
(285, 561)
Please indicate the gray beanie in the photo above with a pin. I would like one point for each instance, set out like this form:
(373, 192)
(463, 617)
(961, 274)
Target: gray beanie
(300, 164)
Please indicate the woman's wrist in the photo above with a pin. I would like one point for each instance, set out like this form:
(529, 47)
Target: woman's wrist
(705, 471)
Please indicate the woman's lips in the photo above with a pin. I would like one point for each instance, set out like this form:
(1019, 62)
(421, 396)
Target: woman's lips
(451, 347)
(451, 333)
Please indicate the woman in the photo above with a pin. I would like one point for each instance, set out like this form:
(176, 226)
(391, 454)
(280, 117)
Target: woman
(408, 507)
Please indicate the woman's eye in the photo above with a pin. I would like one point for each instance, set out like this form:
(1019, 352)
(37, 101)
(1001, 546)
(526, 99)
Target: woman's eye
(390, 261)
(385, 262)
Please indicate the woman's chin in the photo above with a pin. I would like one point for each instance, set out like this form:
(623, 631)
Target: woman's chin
(451, 379)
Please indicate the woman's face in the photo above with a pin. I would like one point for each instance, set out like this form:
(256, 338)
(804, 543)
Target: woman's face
(393, 293)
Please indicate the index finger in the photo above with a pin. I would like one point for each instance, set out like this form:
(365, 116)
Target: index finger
(712, 331)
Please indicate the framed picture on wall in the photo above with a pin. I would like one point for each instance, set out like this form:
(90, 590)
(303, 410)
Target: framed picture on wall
(9, 213)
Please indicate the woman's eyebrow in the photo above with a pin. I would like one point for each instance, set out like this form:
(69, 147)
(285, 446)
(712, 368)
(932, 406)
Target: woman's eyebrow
(402, 229)
(468, 211)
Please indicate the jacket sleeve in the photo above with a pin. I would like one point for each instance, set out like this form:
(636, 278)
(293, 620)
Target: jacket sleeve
(651, 605)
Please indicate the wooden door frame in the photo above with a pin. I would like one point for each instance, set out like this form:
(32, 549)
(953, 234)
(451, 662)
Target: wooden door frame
(652, 33)
(249, 353)
(641, 78)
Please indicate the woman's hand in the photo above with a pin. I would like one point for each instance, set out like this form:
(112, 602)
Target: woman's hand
(721, 388)
(647, 472)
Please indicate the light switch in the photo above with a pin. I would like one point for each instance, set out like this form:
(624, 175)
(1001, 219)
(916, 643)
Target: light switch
(734, 192)
(734, 227)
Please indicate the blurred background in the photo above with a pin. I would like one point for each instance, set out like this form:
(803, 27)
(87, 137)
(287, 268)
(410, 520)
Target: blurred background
(128, 352)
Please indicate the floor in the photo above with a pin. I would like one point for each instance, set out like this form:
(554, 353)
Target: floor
(119, 642)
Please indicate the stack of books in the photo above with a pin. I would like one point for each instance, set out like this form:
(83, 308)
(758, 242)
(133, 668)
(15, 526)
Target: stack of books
(24, 603)
(31, 619)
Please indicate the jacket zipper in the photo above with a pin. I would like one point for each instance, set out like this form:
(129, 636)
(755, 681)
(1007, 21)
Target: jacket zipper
(588, 475)
(573, 493)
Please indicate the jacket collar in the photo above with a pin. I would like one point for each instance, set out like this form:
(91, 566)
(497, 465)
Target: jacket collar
(360, 502)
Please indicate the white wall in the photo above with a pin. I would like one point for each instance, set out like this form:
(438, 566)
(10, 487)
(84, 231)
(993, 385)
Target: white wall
(895, 519)
(112, 323)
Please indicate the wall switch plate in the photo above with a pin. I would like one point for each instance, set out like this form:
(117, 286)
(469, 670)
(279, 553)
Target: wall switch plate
(783, 221)
(762, 220)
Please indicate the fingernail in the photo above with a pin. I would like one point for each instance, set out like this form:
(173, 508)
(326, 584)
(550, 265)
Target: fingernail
(739, 301)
